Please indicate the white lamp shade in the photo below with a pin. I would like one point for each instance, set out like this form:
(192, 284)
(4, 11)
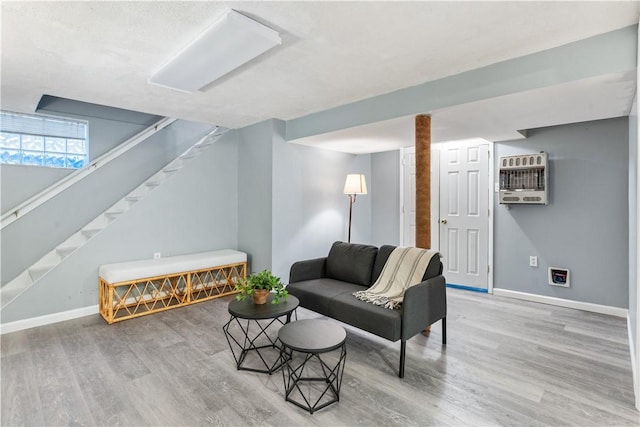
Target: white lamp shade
(355, 184)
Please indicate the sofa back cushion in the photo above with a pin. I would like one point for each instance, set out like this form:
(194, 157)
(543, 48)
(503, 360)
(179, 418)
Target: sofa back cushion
(351, 262)
(383, 255)
(433, 269)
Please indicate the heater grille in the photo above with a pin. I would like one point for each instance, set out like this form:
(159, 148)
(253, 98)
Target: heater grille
(524, 179)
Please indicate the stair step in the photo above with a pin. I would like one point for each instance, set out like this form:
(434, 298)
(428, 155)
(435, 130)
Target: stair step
(15, 287)
(9, 294)
(38, 272)
(19, 283)
(90, 232)
(65, 251)
(152, 184)
(113, 214)
(189, 155)
(133, 199)
(171, 169)
(204, 144)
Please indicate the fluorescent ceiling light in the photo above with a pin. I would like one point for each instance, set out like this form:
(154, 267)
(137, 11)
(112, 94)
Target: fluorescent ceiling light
(230, 42)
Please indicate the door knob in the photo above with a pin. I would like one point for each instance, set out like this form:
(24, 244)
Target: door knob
(443, 221)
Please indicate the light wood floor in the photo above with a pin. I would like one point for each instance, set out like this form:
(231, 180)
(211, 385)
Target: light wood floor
(507, 362)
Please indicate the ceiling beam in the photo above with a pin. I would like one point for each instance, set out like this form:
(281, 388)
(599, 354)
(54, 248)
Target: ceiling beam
(612, 52)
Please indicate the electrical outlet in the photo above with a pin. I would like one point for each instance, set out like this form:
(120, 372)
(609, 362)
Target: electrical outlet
(156, 255)
(533, 261)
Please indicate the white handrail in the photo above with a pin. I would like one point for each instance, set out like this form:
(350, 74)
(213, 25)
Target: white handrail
(66, 182)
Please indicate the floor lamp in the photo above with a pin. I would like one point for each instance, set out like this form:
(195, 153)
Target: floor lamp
(354, 185)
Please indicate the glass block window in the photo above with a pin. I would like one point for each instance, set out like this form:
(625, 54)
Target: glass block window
(43, 141)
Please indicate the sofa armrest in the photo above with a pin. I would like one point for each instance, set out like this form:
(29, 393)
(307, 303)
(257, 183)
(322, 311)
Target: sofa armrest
(423, 304)
(308, 270)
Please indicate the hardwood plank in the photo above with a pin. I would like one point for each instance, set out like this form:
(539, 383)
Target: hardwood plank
(508, 362)
(100, 385)
(61, 398)
(20, 399)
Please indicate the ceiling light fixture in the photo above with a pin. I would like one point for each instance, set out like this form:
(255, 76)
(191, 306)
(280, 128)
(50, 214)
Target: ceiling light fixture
(233, 40)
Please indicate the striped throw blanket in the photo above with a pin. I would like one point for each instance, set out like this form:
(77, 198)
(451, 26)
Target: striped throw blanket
(404, 268)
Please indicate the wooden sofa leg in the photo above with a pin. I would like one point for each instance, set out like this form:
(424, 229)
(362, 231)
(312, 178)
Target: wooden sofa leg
(444, 330)
(403, 350)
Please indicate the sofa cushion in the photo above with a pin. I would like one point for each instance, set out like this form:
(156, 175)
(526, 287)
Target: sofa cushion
(378, 320)
(316, 294)
(433, 269)
(381, 260)
(351, 263)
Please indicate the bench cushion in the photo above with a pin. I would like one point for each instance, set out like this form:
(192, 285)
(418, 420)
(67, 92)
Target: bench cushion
(132, 270)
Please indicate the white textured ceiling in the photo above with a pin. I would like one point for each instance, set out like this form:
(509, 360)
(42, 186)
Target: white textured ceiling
(332, 52)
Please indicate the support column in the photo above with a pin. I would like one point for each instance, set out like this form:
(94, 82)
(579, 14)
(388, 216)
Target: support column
(423, 181)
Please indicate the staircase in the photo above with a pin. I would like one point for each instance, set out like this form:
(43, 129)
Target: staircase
(14, 288)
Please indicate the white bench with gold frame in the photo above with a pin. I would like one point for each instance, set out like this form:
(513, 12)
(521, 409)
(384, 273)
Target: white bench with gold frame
(137, 288)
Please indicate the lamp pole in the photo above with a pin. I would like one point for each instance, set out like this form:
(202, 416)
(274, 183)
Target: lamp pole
(352, 199)
(355, 184)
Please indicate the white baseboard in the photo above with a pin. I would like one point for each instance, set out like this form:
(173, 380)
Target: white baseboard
(634, 362)
(48, 319)
(579, 305)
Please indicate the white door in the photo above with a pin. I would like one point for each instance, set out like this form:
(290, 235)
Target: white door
(464, 212)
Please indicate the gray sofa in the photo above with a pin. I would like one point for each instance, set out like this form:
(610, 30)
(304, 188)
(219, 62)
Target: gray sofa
(326, 286)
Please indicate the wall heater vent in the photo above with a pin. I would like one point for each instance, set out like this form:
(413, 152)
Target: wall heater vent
(524, 179)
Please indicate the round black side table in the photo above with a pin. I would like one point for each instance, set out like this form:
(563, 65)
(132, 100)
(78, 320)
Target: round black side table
(303, 343)
(243, 339)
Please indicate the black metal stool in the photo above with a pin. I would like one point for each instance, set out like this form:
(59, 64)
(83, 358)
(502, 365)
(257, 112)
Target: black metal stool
(312, 338)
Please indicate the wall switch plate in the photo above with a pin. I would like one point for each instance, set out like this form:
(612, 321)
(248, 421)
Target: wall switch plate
(156, 255)
(533, 261)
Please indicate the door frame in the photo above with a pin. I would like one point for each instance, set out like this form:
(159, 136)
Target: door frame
(401, 162)
(435, 194)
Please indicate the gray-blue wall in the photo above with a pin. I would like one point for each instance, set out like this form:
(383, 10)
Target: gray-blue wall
(26, 240)
(584, 228)
(195, 210)
(290, 201)
(385, 198)
(252, 191)
(310, 210)
(18, 183)
(108, 127)
(255, 193)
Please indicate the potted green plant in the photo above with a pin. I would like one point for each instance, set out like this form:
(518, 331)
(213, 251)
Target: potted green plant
(259, 286)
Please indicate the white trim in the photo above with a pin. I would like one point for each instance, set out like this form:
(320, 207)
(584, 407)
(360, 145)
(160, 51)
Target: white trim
(435, 197)
(490, 218)
(47, 319)
(634, 362)
(403, 152)
(33, 202)
(636, 350)
(579, 305)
